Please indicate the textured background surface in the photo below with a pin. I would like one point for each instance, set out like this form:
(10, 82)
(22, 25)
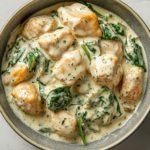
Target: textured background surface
(9, 140)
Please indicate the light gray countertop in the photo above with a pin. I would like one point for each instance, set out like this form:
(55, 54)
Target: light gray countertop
(9, 140)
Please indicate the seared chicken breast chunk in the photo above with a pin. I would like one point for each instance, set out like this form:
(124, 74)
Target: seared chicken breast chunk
(112, 47)
(38, 25)
(56, 43)
(69, 68)
(63, 123)
(27, 98)
(80, 19)
(20, 73)
(132, 83)
(106, 70)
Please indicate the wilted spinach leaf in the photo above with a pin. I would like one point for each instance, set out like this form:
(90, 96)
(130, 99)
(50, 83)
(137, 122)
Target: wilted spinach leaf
(90, 46)
(108, 107)
(17, 55)
(95, 99)
(29, 60)
(42, 61)
(86, 51)
(59, 98)
(136, 55)
(118, 114)
(108, 32)
(41, 88)
(82, 115)
(118, 29)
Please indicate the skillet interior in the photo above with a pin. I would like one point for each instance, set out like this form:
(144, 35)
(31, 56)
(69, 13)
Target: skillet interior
(120, 9)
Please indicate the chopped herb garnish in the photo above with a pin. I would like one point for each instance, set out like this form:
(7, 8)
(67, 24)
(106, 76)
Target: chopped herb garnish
(64, 41)
(63, 121)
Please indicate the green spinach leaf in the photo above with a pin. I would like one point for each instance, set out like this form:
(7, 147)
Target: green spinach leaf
(29, 60)
(59, 98)
(136, 56)
(107, 110)
(90, 47)
(116, 103)
(86, 51)
(41, 88)
(82, 115)
(108, 32)
(16, 57)
(95, 99)
(15, 46)
(121, 25)
(81, 132)
(42, 61)
(118, 29)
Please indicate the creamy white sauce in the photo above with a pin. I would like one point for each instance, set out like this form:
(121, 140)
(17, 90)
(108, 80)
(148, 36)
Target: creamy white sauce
(43, 120)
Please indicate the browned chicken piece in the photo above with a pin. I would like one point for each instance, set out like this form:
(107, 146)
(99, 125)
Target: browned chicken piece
(80, 19)
(132, 84)
(56, 43)
(63, 123)
(112, 47)
(37, 26)
(69, 68)
(27, 98)
(106, 70)
(20, 73)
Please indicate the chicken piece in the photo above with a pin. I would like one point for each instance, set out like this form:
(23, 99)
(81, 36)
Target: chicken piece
(56, 43)
(38, 25)
(20, 73)
(63, 123)
(106, 70)
(112, 47)
(80, 19)
(27, 98)
(132, 84)
(69, 68)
